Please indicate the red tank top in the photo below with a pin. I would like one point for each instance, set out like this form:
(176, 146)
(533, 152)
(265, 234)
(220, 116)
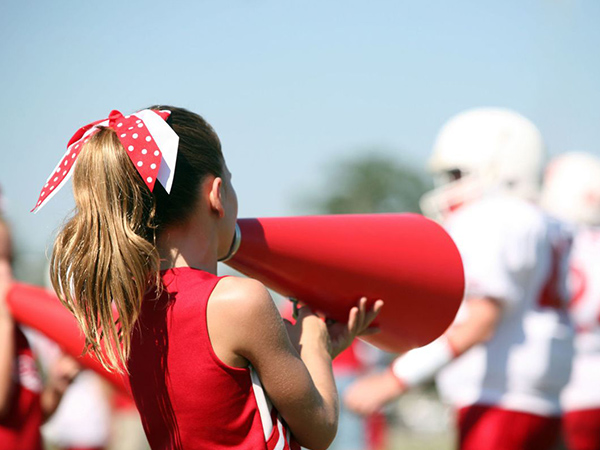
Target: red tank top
(20, 428)
(187, 397)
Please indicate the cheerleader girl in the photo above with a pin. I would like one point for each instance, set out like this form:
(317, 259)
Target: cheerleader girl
(210, 362)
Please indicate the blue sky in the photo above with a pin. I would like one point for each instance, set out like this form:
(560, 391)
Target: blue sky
(289, 86)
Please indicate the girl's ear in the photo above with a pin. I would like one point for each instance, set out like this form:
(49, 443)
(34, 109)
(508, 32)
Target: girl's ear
(214, 196)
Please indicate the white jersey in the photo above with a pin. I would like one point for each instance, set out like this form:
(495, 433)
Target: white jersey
(512, 252)
(583, 390)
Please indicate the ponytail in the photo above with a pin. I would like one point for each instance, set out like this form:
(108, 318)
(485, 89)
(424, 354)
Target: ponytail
(104, 255)
(105, 260)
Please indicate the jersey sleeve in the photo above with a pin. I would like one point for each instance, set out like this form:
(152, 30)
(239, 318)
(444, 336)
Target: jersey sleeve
(499, 253)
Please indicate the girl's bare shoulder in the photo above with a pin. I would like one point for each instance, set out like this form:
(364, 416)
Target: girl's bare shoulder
(242, 297)
(244, 320)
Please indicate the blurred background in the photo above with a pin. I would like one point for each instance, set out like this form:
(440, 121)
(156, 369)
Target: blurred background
(322, 107)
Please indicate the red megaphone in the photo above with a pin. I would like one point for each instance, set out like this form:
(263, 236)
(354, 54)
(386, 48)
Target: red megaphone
(39, 309)
(329, 262)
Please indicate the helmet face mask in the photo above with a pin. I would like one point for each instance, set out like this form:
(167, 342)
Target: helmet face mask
(449, 195)
(449, 176)
(481, 151)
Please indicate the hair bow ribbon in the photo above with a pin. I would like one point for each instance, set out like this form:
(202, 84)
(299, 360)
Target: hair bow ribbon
(149, 141)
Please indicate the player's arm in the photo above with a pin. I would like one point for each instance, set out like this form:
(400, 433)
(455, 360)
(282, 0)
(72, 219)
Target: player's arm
(245, 326)
(7, 325)
(479, 325)
(371, 393)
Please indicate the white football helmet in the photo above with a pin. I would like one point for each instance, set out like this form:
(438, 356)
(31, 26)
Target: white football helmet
(571, 188)
(481, 150)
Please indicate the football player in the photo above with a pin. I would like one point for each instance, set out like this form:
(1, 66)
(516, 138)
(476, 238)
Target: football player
(504, 361)
(572, 193)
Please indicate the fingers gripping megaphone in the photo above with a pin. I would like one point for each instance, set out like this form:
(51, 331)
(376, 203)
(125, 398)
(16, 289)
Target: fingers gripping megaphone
(329, 262)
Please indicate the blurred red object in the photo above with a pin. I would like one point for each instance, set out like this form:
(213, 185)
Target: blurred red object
(37, 308)
(329, 262)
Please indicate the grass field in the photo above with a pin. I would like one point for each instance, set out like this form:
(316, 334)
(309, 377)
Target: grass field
(419, 421)
(406, 440)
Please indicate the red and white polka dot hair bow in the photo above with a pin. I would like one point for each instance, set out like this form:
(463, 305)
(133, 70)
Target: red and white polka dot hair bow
(149, 141)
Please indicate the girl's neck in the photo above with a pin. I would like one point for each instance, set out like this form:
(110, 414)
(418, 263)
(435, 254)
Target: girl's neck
(188, 245)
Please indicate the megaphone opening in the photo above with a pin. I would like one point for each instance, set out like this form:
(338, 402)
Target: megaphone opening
(235, 244)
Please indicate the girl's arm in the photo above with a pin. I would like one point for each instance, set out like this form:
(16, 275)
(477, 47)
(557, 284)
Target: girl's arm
(7, 325)
(246, 328)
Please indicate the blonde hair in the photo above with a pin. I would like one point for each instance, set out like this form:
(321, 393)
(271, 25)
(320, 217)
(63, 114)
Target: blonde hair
(104, 254)
(104, 260)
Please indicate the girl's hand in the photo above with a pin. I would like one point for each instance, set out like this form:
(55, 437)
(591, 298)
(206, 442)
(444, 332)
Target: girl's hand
(309, 331)
(62, 373)
(359, 320)
(5, 283)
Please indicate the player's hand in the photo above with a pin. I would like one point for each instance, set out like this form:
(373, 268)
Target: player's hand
(369, 394)
(359, 321)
